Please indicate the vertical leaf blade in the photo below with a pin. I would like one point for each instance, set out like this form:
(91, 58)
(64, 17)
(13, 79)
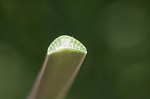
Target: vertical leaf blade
(64, 58)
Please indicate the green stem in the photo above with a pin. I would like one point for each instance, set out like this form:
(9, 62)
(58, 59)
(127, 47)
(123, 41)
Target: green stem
(63, 60)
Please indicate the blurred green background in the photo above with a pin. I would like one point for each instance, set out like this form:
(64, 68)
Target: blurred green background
(115, 32)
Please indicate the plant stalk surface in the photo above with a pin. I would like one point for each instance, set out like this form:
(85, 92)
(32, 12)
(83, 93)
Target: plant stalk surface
(62, 63)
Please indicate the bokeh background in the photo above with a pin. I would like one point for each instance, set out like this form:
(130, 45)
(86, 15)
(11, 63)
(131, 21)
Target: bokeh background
(115, 32)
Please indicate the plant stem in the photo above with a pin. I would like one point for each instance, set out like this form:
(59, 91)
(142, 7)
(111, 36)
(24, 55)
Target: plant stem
(63, 60)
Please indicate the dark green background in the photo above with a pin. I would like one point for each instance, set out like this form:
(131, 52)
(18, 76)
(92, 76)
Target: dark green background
(115, 32)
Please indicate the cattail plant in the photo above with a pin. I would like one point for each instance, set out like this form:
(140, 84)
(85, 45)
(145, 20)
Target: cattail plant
(63, 60)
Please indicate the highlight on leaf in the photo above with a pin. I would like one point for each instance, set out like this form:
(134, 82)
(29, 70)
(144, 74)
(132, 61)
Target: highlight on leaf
(66, 42)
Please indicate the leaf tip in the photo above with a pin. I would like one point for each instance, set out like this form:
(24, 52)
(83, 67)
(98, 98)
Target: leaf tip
(66, 42)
